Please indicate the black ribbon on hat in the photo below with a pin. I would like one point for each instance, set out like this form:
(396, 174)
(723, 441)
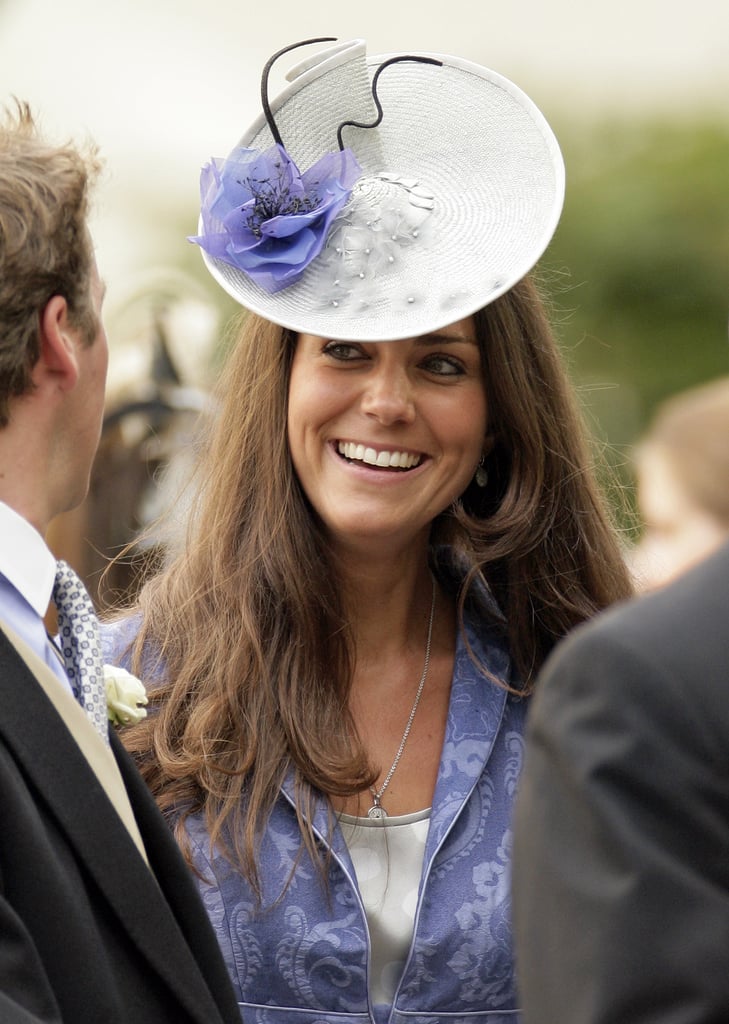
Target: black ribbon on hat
(268, 113)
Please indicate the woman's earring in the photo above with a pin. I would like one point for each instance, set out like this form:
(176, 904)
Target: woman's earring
(482, 474)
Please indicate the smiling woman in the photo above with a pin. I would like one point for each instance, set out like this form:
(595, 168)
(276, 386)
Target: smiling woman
(395, 522)
(383, 437)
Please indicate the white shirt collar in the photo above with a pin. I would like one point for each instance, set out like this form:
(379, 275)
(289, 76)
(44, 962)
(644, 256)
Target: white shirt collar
(26, 560)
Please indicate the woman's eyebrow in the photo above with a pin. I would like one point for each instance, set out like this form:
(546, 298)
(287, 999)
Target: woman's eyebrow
(445, 339)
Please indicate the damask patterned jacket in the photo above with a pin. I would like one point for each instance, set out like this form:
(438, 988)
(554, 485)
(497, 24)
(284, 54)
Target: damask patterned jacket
(304, 960)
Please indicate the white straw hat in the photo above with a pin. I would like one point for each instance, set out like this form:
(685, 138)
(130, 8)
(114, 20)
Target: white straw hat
(440, 208)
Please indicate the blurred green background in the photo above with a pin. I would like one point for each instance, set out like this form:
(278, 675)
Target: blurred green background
(639, 268)
(643, 251)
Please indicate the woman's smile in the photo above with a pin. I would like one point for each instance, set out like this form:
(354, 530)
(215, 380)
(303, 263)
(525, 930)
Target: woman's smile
(381, 458)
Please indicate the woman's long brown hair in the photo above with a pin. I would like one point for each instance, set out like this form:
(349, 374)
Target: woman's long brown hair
(243, 636)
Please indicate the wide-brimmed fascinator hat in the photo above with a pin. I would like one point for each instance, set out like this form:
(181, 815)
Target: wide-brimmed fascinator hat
(381, 197)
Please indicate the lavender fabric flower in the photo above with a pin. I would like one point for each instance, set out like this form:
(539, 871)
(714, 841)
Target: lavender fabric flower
(263, 216)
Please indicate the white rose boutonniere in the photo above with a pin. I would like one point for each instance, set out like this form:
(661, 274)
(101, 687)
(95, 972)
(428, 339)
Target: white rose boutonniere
(125, 696)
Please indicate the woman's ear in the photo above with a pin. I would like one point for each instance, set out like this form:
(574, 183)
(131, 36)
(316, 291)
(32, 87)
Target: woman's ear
(488, 443)
(58, 342)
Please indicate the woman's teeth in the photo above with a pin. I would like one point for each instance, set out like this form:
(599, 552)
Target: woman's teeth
(384, 460)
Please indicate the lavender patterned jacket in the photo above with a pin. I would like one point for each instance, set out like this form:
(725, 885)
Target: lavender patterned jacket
(305, 960)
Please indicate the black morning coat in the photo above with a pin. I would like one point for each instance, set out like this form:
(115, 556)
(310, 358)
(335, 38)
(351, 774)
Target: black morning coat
(88, 933)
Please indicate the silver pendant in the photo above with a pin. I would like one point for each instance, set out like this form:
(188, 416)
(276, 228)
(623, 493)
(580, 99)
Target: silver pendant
(376, 810)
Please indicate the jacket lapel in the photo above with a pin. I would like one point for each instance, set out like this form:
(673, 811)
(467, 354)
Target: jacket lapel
(53, 761)
(475, 713)
(77, 722)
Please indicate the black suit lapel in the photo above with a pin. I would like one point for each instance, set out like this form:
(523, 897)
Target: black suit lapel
(52, 760)
(176, 881)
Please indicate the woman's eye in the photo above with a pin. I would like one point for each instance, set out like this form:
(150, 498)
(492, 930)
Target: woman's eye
(342, 350)
(443, 366)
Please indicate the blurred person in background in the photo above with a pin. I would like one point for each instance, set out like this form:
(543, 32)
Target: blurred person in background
(682, 469)
(395, 520)
(100, 922)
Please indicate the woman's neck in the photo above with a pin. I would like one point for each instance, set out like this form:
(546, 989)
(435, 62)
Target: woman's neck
(387, 605)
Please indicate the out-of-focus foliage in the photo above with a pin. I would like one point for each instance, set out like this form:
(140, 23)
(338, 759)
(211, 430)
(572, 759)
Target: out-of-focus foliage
(640, 264)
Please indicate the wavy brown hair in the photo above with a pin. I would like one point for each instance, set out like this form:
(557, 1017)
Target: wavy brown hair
(246, 626)
(45, 248)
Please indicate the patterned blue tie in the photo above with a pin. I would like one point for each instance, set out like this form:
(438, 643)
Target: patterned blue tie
(78, 631)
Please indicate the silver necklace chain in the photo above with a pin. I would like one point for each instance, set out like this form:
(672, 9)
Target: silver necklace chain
(377, 810)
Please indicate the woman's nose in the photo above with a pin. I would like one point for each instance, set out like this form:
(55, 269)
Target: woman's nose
(389, 396)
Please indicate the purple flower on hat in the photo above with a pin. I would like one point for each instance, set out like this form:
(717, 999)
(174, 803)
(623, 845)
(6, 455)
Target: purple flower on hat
(263, 216)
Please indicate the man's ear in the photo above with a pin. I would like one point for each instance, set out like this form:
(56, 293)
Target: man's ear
(58, 340)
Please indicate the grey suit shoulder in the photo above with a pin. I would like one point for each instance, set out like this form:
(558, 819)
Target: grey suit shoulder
(621, 848)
